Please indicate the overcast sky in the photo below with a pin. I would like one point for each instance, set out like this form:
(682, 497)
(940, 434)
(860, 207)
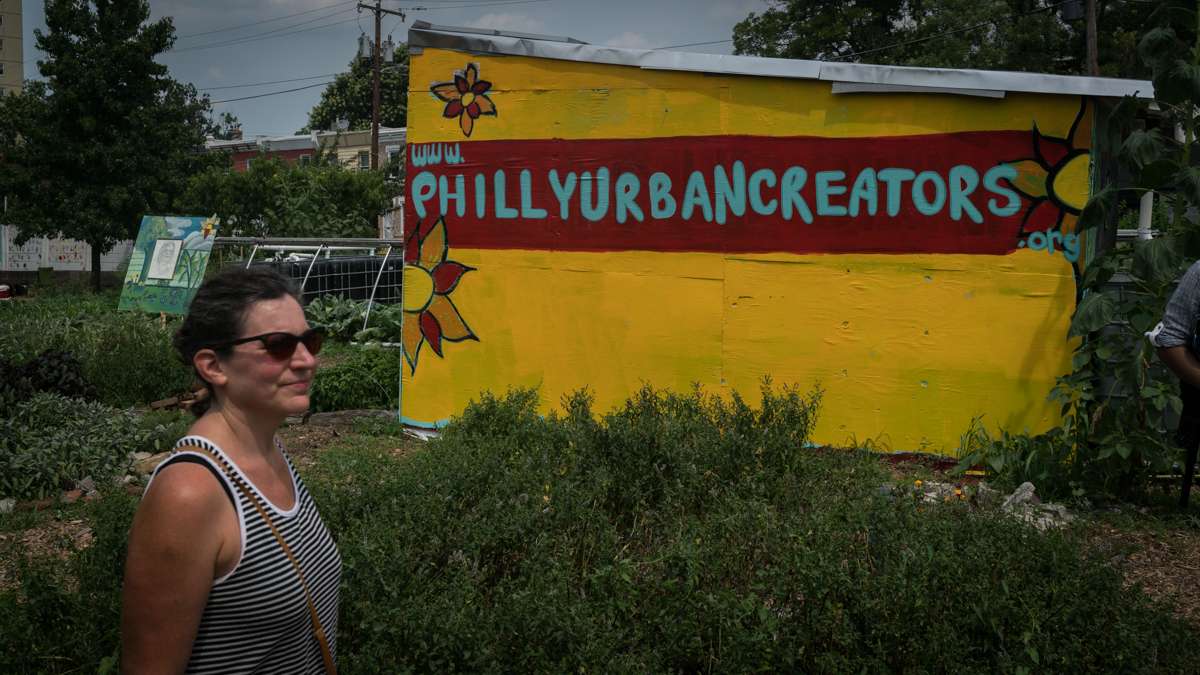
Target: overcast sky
(261, 46)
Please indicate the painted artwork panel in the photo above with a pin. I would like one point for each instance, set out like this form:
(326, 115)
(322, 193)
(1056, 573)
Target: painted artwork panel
(604, 226)
(167, 263)
(164, 259)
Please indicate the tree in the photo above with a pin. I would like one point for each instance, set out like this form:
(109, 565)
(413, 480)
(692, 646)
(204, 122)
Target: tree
(110, 137)
(224, 127)
(1021, 35)
(275, 199)
(348, 97)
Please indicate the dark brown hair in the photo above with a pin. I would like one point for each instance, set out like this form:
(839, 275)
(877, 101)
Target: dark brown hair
(219, 309)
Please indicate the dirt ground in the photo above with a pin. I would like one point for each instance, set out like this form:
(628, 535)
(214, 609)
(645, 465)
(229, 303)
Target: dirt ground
(1165, 563)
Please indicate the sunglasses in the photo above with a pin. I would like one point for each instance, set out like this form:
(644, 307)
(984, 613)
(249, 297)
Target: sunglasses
(281, 346)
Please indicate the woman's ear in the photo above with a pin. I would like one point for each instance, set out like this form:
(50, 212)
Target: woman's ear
(209, 368)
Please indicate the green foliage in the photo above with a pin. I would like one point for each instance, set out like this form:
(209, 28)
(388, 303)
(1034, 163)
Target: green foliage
(678, 533)
(340, 317)
(275, 199)
(343, 318)
(349, 96)
(224, 127)
(356, 378)
(51, 441)
(53, 371)
(65, 616)
(126, 357)
(1118, 399)
(109, 137)
(988, 34)
(689, 533)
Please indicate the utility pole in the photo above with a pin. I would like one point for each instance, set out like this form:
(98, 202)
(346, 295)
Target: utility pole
(379, 11)
(1093, 55)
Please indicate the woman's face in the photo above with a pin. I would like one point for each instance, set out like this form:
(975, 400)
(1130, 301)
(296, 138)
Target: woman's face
(258, 381)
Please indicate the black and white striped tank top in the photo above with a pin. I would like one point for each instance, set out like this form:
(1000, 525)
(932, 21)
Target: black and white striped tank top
(256, 619)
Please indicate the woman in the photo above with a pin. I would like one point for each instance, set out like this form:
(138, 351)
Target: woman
(230, 569)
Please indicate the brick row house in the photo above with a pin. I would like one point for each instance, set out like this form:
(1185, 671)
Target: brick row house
(352, 148)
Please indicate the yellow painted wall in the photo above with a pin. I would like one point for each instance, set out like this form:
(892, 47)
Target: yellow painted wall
(909, 348)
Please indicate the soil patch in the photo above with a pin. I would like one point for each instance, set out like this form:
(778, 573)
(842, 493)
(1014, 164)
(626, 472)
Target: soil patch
(1165, 564)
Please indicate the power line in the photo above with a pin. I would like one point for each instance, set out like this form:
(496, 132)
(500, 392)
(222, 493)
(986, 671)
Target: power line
(242, 41)
(256, 23)
(272, 93)
(696, 44)
(257, 36)
(260, 84)
(479, 4)
(951, 32)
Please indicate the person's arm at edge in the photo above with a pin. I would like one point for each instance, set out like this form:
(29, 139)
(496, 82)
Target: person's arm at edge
(1182, 362)
(173, 548)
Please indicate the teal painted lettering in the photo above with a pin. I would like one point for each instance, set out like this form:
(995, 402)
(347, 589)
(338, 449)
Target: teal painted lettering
(480, 194)
(1052, 237)
(563, 191)
(528, 210)
(696, 194)
(757, 180)
(865, 189)
(427, 154)
(459, 195)
(894, 179)
(502, 211)
(597, 212)
(454, 154)
(789, 194)
(423, 187)
(924, 206)
(1071, 247)
(963, 181)
(991, 183)
(662, 204)
(627, 191)
(731, 194)
(825, 184)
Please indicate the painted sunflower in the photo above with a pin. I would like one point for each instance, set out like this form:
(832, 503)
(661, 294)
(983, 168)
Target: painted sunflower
(1056, 179)
(430, 316)
(466, 97)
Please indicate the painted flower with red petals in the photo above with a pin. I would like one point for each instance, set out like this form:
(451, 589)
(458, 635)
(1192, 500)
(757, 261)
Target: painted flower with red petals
(1055, 179)
(466, 97)
(430, 316)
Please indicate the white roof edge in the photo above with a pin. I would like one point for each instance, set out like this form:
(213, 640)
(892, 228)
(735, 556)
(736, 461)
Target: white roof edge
(423, 34)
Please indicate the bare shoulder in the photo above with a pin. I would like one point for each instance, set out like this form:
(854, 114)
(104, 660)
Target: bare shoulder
(184, 497)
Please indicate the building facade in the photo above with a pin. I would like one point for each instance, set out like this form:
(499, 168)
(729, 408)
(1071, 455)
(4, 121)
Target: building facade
(352, 149)
(12, 63)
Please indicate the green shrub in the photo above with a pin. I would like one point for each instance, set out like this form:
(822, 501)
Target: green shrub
(53, 371)
(687, 533)
(52, 441)
(340, 317)
(65, 615)
(355, 377)
(126, 356)
(677, 533)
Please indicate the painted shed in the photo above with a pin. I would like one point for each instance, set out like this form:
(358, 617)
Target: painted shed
(587, 216)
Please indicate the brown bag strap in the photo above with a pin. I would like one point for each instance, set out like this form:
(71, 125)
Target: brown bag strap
(318, 629)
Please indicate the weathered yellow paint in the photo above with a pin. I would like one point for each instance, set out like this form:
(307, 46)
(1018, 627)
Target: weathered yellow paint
(544, 98)
(908, 348)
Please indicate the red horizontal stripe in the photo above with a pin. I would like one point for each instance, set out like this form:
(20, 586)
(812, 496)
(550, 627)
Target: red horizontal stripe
(908, 231)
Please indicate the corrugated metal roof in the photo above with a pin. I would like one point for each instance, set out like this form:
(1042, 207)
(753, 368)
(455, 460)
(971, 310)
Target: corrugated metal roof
(891, 78)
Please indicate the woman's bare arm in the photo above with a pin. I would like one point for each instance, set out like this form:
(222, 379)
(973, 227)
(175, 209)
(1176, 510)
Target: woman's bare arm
(174, 545)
